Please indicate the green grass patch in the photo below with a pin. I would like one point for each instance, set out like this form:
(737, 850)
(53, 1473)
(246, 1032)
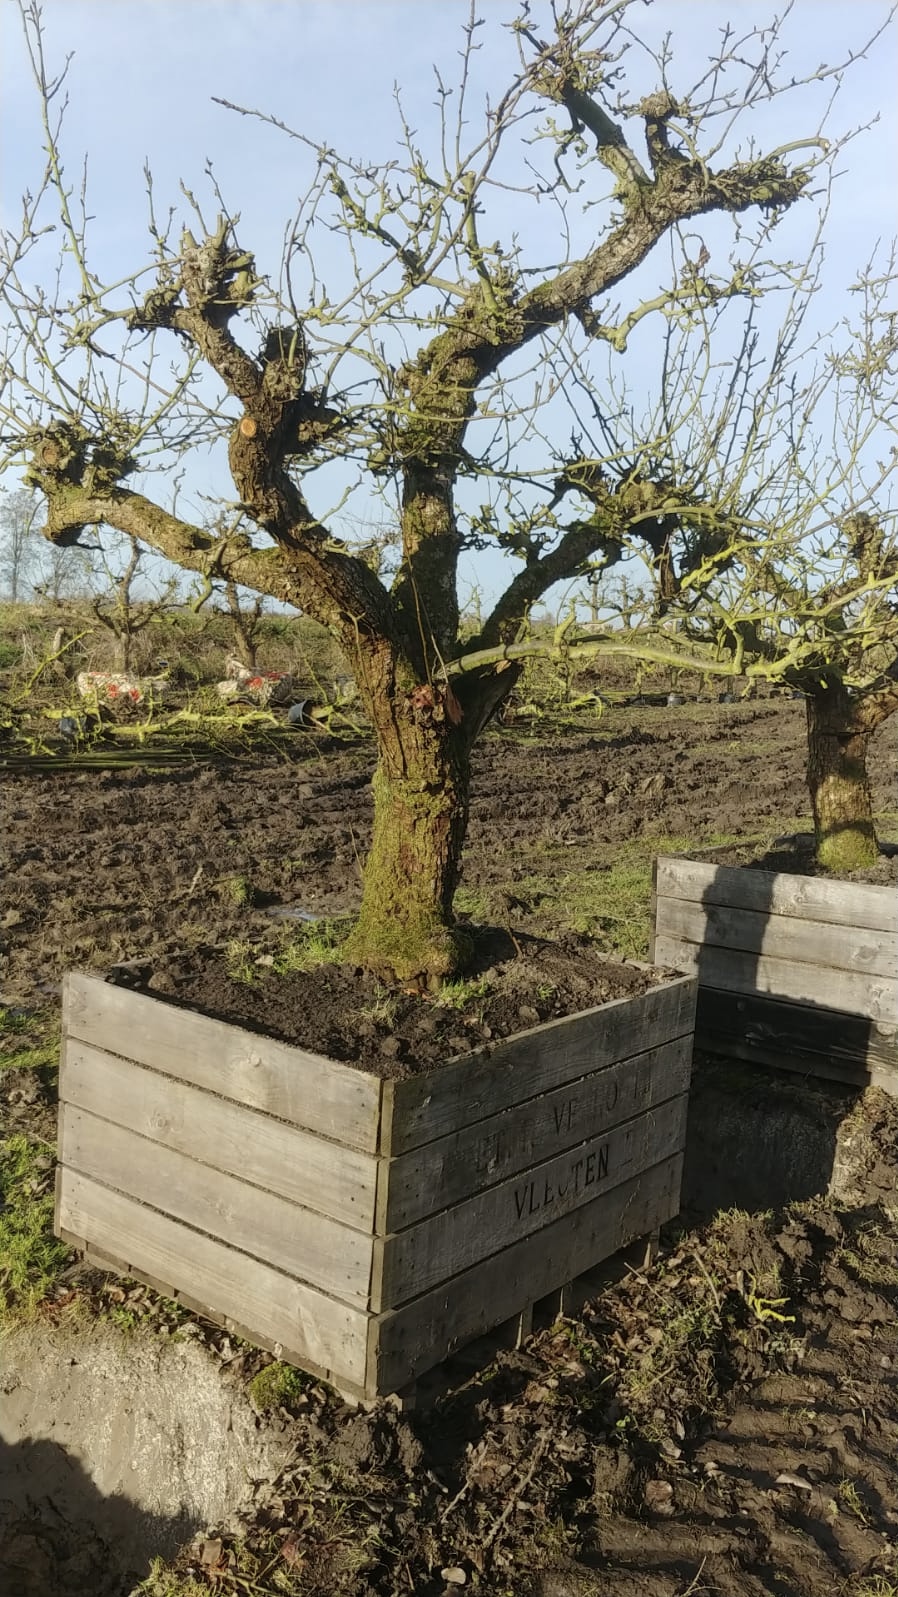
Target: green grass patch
(30, 1256)
(29, 1041)
(276, 1386)
(319, 943)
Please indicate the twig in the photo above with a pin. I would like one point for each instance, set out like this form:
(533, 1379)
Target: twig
(693, 1584)
(516, 1496)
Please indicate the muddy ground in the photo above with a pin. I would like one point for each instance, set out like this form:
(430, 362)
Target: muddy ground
(101, 866)
(725, 1422)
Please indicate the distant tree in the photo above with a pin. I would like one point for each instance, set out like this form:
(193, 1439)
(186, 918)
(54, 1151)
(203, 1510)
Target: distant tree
(120, 609)
(22, 515)
(434, 364)
(245, 619)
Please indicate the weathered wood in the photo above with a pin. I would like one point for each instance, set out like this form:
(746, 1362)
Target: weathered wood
(297, 1241)
(738, 972)
(303, 1088)
(441, 1173)
(102, 1260)
(331, 1335)
(570, 1298)
(855, 904)
(778, 936)
(467, 1090)
(410, 1340)
(207, 1158)
(798, 1038)
(336, 1181)
(446, 1244)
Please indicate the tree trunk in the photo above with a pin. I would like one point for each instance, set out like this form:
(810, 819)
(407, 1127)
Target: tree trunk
(838, 780)
(421, 787)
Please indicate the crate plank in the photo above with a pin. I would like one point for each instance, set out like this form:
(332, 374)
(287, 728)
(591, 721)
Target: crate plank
(106, 1261)
(444, 1172)
(855, 904)
(735, 972)
(794, 1037)
(466, 1090)
(330, 1334)
(298, 1241)
(335, 1181)
(414, 1260)
(267, 1075)
(410, 1340)
(779, 936)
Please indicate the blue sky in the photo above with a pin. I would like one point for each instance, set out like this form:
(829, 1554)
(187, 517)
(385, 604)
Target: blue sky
(145, 71)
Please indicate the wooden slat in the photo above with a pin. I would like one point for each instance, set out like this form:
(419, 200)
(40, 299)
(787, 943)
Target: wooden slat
(410, 1340)
(306, 1089)
(855, 904)
(444, 1172)
(106, 1261)
(779, 936)
(446, 1244)
(335, 1181)
(330, 1334)
(301, 1243)
(794, 1037)
(434, 1104)
(736, 972)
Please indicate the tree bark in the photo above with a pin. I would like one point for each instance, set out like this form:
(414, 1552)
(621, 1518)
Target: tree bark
(837, 778)
(421, 791)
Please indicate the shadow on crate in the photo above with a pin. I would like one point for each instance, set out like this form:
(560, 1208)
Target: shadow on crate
(758, 1138)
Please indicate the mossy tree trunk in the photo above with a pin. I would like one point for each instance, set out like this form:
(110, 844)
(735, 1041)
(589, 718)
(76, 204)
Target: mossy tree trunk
(837, 777)
(421, 787)
(425, 733)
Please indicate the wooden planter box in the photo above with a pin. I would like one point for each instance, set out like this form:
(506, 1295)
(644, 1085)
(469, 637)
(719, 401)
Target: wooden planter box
(797, 972)
(364, 1229)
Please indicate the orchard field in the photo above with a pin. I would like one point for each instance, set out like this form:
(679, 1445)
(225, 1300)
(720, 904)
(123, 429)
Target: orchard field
(724, 1422)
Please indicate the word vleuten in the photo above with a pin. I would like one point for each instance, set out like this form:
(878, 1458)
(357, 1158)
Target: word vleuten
(582, 1173)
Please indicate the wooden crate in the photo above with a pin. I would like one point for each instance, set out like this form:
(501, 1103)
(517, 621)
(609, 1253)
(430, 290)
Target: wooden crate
(364, 1229)
(797, 972)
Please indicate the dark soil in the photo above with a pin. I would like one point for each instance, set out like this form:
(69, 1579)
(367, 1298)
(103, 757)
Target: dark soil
(346, 1014)
(795, 854)
(724, 1424)
(103, 866)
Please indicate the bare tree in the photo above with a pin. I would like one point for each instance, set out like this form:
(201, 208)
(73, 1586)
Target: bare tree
(785, 565)
(123, 612)
(427, 370)
(21, 518)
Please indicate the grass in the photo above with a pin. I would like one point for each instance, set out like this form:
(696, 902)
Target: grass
(319, 943)
(458, 994)
(28, 1041)
(30, 1256)
(276, 1386)
(608, 898)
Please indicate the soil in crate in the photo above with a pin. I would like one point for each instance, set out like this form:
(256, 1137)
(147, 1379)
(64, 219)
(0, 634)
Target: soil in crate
(512, 984)
(794, 855)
